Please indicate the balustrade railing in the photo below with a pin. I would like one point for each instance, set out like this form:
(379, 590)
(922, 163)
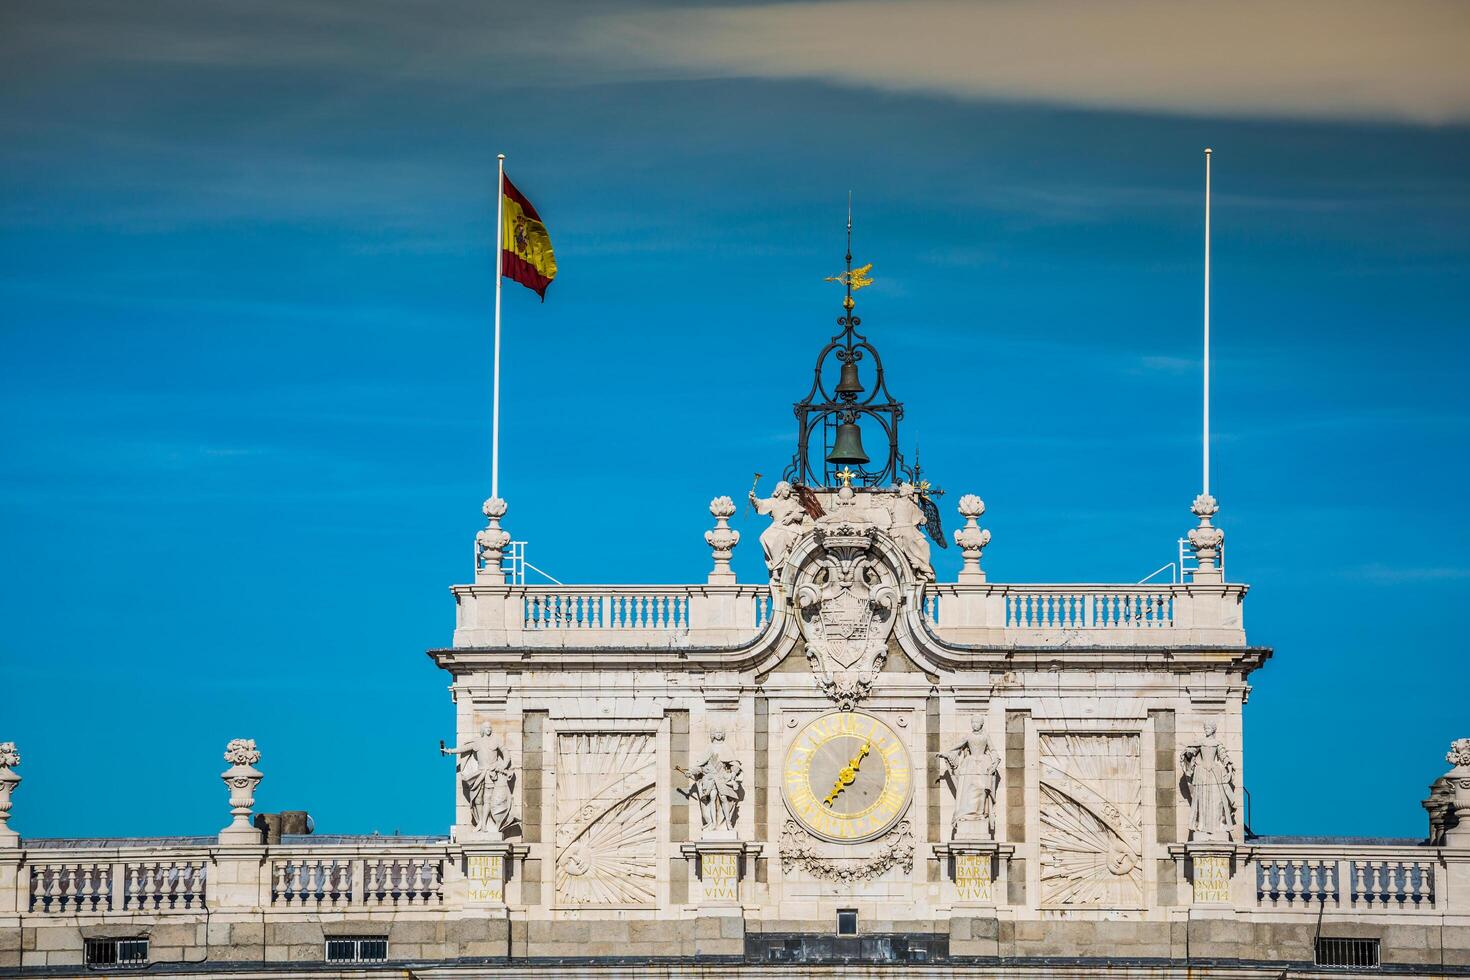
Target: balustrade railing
(1364, 882)
(556, 609)
(1048, 609)
(294, 878)
(1393, 884)
(314, 882)
(71, 888)
(160, 886)
(640, 617)
(1288, 883)
(394, 881)
(403, 881)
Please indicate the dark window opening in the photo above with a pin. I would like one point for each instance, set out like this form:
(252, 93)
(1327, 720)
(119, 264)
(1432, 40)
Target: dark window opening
(120, 954)
(1347, 952)
(357, 949)
(847, 922)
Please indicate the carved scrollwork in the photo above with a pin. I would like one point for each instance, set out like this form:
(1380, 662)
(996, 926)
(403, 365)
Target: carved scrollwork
(799, 850)
(847, 598)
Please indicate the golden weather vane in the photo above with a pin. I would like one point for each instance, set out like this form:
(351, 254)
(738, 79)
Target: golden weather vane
(852, 279)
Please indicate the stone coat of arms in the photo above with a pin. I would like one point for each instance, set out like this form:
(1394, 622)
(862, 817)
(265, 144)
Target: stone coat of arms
(847, 597)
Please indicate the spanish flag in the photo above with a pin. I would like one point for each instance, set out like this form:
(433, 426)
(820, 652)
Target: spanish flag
(525, 246)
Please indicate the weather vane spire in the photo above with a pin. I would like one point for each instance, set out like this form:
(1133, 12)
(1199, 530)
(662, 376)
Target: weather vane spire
(852, 279)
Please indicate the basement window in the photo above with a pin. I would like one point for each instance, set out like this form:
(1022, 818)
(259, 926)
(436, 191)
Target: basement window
(847, 922)
(357, 949)
(116, 954)
(1347, 952)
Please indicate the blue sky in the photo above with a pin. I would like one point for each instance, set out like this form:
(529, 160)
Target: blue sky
(245, 291)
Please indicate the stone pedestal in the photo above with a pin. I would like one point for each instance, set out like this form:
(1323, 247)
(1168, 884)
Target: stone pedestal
(975, 868)
(238, 877)
(720, 862)
(1211, 865)
(486, 867)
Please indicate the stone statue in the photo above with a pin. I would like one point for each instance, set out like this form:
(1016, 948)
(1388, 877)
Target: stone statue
(485, 778)
(1210, 779)
(908, 521)
(715, 783)
(787, 516)
(973, 769)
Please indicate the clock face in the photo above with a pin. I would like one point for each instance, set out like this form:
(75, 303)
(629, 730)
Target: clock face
(847, 776)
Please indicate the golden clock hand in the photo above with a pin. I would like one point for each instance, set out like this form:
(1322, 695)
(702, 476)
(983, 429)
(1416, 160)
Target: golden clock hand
(848, 773)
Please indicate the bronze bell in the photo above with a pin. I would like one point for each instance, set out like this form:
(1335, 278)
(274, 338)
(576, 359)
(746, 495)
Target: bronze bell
(848, 448)
(847, 381)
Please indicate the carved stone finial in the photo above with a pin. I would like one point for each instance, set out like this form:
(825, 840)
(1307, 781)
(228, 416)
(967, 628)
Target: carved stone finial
(242, 777)
(8, 782)
(722, 539)
(490, 543)
(972, 539)
(1456, 831)
(1458, 755)
(1206, 540)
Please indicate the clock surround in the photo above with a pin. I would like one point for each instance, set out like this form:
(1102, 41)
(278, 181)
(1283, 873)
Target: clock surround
(847, 777)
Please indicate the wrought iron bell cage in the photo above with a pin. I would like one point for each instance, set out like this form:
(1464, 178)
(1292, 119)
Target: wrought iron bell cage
(826, 409)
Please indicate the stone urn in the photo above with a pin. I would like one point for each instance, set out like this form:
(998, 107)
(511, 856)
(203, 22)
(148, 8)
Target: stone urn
(242, 777)
(8, 782)
(1458, 779)
(722, 539)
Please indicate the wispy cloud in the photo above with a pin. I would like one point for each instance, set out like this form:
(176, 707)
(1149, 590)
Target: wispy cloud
(1334, 59)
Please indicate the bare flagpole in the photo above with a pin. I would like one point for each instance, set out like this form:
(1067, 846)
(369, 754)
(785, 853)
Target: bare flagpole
(499, 273)
(1206, 447)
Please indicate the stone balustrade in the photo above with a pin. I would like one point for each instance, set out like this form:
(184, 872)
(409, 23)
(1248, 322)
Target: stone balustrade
(144, 877)
(655, 617)
(1086, 615)
(364, 874)
(1291, 877)
(316, 880)
(632, 617)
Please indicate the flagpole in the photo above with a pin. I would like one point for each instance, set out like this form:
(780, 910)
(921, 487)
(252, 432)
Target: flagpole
(499, 273)
(1207, 152)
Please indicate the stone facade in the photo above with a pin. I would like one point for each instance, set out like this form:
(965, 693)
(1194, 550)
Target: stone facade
(850, 762)
(709, 776)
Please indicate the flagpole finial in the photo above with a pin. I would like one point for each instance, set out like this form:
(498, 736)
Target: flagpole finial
(500, 156)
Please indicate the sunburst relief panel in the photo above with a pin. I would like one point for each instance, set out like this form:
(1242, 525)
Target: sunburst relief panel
(606, 826)
(1091, 821)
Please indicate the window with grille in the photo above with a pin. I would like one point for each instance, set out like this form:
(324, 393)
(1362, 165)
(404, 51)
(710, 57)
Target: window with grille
(118, 954)
(357, 949)
(1347, 952)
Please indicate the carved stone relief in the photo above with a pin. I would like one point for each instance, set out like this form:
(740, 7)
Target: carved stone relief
(836, 862)
(847, 596)
(1091, 821)
(606, 819)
